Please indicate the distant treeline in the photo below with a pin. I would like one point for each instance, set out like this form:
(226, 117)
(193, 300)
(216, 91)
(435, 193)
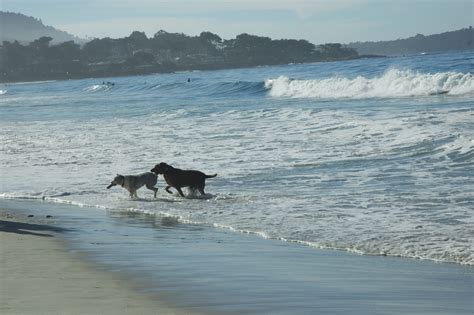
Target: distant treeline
(164, 52)
(460, 40)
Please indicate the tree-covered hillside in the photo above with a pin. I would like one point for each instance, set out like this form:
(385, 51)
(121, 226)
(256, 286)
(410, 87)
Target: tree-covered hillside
(25, 29)
(462, 39)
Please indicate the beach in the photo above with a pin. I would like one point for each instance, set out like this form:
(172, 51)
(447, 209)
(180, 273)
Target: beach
(175, 268)
(40, 276)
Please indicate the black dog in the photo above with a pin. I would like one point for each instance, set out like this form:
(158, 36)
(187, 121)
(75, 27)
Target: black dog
(177, 178)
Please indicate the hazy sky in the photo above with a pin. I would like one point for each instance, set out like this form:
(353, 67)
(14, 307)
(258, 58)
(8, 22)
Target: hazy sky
(319, 21)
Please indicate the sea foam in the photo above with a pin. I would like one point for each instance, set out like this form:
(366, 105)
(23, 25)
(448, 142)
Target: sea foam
(393, 83)
(378, 178)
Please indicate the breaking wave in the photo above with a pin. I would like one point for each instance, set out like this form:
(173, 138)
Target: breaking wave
(98, 88)
(393, 83)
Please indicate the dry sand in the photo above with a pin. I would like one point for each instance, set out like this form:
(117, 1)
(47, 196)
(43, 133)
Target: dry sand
(39, 276)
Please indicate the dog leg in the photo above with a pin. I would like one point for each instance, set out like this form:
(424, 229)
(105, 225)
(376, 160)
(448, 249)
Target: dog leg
(180, 191)
(201, 190)
(168, 190)
(152, 189)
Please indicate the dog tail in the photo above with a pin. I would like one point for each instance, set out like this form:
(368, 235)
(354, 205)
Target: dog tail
(210, 176)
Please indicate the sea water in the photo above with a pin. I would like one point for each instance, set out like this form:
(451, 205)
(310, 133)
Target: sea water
(373, 156)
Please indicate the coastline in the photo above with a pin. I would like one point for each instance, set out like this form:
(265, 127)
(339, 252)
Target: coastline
(159, 71)
(40, 276)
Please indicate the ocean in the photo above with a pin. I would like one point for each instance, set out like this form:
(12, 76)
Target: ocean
(369, 156)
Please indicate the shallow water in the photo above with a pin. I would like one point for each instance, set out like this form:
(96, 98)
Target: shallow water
(198, 267)
(370, 156)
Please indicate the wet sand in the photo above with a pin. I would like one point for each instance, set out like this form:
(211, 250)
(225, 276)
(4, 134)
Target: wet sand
(39, 276)
(130, 263)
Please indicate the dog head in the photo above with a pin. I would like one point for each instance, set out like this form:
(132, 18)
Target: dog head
(118, 180)
(160, 168)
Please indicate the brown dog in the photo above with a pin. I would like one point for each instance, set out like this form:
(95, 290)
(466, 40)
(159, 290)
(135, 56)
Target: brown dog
(178, 178)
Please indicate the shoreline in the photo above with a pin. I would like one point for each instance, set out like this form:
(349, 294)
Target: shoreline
(109, 262)
(40, 276)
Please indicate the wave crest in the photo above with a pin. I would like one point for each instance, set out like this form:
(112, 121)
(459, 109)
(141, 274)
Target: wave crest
(98, 88)
(393, 83)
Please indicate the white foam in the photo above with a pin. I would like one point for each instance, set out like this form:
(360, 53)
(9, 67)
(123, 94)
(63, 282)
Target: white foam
(43, 197)
(461, 145)
(97, 88)
(242, 231)
(3, 92)
(326, 176)
(393, 83)
(21, 195)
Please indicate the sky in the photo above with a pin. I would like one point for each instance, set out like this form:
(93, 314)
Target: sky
(318, 21)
